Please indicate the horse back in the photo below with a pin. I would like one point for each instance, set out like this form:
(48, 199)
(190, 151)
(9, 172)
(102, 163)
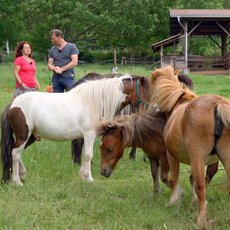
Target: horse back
(191, 127)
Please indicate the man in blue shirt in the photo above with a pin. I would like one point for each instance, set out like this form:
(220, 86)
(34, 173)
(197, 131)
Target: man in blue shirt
(62, 59)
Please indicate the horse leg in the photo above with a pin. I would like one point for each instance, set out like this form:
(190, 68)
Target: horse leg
(164, 170)
(132, 154)
(22, 170)
(174, 179)
(224, 157)
(197, 167)
(16, 158)
(210, 172)
(77, 146)
(85, 170)
(154, 166)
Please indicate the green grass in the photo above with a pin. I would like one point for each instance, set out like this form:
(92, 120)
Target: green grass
(53, 196)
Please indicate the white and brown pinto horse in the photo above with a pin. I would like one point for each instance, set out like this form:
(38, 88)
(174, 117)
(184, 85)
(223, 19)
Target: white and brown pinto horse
(197, 132)
(60, 117)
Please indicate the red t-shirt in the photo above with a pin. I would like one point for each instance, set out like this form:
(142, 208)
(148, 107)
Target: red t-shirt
(26, 72)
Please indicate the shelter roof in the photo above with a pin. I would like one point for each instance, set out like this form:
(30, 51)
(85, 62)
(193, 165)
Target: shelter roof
(166, 42)
(210, 21)
(200, 13)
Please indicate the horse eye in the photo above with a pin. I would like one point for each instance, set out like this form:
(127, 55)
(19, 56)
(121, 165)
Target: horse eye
(109, 149)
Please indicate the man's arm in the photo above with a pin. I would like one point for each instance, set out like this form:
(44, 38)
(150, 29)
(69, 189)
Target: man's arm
(72, 64)
(51, 66)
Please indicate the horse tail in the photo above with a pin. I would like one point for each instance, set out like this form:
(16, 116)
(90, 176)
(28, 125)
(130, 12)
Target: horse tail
(7, 144)
(77, 146)
(223, 110)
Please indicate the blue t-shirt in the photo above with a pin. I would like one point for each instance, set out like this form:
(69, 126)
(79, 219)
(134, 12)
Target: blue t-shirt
(63, 57)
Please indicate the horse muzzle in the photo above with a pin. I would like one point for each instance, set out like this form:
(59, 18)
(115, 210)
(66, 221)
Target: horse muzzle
(106, 171)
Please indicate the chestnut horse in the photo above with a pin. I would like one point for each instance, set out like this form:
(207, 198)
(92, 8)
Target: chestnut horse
(144, 131)
(197, 132)
(60, 117)
(138, 98)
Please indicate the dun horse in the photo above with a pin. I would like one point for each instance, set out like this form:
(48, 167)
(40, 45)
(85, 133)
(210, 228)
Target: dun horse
(60, 117)
(197, 132)
(144, 131)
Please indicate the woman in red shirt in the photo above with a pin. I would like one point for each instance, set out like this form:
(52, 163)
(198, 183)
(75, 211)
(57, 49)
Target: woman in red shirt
(24, 69)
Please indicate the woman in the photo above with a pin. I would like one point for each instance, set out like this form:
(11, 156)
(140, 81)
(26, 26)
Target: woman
(24, 69)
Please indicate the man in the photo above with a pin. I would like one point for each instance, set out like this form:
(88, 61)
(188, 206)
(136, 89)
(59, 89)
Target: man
(63, 57)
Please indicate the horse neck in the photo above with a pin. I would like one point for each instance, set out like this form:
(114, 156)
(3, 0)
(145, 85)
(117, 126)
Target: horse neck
(179, 103)
(102, 107)
(128, 85)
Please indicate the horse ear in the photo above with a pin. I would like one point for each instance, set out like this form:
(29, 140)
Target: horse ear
(110, 125)
(166, 71)
(102, 128)
(188, 96)
(154, 75)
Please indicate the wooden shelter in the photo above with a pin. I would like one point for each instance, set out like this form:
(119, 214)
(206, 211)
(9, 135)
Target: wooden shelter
(186, 23)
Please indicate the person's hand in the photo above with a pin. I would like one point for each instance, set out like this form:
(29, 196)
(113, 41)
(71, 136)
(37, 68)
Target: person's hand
(58, 70)
(23, 86)
(38, 86)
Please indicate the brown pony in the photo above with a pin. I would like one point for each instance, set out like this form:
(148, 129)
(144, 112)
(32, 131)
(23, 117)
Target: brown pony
(144, 131)
(197, 132)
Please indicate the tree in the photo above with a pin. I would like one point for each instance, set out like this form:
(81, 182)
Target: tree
(11, 22)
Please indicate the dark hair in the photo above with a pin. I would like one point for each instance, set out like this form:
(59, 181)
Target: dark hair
(19, 47)
(56, 32)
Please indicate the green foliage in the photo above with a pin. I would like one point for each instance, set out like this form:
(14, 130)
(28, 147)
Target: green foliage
(132, 25)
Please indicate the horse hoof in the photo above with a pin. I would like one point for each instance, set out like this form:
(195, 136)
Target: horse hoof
(203, 224)
(17, 183)
(86, 178)
(90, 180)
(22, 176)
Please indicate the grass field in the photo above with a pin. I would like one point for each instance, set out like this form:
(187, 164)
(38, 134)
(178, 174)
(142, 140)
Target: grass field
(53, 196)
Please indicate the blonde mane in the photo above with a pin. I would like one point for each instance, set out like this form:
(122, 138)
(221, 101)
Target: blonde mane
(102, 97)
(167, 89)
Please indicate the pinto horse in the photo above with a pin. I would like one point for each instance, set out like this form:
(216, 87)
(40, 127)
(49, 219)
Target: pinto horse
(144, 131)
(59, 117)
(139, 96)
(197, 132)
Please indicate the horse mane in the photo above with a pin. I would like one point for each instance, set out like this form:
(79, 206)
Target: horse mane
(102, 97)
(135, 128)
(167, 89)
(96, 76)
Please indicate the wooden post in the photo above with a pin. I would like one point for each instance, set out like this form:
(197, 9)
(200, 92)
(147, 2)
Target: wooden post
(161, 54)
(115, 56)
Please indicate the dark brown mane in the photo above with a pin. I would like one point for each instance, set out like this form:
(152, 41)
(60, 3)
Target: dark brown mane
(136, 127)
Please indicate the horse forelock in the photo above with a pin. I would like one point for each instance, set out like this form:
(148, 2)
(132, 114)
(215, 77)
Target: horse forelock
(166, 93)
(135, 128)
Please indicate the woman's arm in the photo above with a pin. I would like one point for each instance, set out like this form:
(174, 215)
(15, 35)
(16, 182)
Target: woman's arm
(17, 77)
